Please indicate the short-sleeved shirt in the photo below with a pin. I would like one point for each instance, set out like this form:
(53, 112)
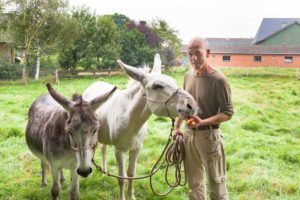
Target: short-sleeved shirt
(211, 92)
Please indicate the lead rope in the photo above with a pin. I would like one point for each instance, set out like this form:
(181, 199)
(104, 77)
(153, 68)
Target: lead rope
(174, 155)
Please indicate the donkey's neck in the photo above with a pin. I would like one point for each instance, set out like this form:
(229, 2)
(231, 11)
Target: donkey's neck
(138, 110)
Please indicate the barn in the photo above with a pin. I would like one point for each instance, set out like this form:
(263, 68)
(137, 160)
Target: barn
(276, 44)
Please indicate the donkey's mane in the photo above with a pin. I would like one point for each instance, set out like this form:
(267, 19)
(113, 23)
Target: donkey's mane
(77, 98)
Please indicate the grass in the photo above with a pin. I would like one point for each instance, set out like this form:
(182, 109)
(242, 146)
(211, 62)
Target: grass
(262, 141)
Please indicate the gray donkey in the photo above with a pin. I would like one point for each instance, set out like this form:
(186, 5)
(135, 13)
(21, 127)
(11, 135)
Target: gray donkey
(63, 134)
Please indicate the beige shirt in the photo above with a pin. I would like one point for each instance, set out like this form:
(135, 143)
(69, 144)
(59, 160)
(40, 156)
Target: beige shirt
(211, 92)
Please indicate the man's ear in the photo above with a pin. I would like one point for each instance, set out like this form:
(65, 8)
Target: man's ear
(207, 53)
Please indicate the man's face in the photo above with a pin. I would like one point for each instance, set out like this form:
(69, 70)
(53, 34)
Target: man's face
(197, 57)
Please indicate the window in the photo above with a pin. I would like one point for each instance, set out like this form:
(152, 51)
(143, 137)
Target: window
(288, 59)
(257, 58)
(226, 58)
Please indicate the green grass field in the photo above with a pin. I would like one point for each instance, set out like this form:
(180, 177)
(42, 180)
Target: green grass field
(262, 141)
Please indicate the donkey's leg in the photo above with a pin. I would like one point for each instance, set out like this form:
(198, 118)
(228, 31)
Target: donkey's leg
(133, 154)
(75, 185)
(120, 157)
(103, 151)
(62, 176)
(55, 183)
(45, 168)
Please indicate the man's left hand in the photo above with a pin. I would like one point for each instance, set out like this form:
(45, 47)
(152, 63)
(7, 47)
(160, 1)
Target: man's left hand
(194, 121)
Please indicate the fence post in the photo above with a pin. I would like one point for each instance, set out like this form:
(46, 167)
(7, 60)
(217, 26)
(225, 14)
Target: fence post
(56, 77)
(109, 69)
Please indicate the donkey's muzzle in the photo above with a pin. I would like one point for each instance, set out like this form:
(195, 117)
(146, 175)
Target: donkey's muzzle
(84, 173)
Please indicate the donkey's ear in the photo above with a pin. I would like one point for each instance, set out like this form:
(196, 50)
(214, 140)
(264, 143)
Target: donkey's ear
(65, 103)
(133, 72)
(98, 101)
(157, 64)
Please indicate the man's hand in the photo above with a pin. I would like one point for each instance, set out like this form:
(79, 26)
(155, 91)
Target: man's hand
(193, 121)
(176, 132)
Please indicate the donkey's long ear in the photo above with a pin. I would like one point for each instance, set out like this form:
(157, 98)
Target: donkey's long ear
(98, 101)
(133, 72)
(65, 103)
(157, 64)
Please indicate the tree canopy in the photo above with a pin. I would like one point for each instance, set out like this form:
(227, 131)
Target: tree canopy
(82, 39)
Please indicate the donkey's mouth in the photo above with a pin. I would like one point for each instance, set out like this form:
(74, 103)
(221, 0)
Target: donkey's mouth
(187, 113)
(84, 173)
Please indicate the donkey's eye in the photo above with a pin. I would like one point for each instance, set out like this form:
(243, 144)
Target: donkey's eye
(157, 86)
(95, 131)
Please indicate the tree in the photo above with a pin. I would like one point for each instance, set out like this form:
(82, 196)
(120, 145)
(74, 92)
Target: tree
(171, 44)
(49, 37)
(106, 42)
(76, 46)
(27, 21)
(135, 50)
(120, 20)
(139, 43)
(151, 37)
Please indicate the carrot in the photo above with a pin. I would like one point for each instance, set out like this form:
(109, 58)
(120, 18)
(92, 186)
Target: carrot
(191, 122)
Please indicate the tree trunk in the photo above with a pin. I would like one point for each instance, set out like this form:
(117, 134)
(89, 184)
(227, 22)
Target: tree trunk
(24, 75)
(24, 70)
(38, 63)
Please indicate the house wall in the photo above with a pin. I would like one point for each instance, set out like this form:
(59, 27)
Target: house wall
(248, 61)
(6, 53)
(289, 36)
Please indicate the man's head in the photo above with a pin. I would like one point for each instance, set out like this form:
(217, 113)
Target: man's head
(198, 52)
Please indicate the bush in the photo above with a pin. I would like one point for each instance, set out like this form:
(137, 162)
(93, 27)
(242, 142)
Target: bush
(10, 71)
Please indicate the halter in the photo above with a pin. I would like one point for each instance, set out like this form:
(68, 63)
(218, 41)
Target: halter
(165, 102)
(84, 148)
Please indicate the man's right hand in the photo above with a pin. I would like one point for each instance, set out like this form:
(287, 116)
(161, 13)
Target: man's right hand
(176, 132)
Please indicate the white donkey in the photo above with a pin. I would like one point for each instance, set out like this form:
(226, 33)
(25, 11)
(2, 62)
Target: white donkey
(123, 117)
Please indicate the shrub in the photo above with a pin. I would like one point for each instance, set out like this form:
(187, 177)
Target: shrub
(10, 71)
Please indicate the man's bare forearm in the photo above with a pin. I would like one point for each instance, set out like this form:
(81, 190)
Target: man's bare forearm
(216, 119)
(178, 122)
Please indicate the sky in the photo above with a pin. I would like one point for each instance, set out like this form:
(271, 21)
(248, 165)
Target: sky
(202, 18)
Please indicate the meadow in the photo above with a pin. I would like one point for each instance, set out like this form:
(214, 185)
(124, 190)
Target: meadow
(262, 140)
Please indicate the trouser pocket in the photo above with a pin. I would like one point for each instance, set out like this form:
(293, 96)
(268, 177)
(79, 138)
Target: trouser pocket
(216, 164)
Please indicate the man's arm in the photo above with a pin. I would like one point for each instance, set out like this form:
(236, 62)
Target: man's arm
(216, 119)
(178, 122)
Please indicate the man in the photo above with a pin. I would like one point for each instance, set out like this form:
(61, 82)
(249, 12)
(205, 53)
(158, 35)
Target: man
(204, 153)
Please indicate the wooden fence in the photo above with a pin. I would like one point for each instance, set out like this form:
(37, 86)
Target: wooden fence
(89, 73)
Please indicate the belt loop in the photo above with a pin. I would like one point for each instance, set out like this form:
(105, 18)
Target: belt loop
(210, 128)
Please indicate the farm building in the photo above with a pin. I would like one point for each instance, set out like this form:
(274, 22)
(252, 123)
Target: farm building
(276, 44)
(7, 50)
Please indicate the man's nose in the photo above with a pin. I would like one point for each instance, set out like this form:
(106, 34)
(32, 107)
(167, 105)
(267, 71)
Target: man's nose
(194, 57)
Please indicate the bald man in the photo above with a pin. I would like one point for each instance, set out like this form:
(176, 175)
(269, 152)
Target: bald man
(204, 152)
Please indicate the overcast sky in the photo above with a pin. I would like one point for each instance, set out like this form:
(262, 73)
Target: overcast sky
(205, 18)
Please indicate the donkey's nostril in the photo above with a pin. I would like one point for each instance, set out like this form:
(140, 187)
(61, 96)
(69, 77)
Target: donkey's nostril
(189, 106)
(84, 173)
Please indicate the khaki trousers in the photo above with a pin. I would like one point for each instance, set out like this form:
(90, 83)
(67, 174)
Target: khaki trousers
(204, 155)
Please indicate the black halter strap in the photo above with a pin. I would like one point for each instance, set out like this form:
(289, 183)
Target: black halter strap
(165, 102)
